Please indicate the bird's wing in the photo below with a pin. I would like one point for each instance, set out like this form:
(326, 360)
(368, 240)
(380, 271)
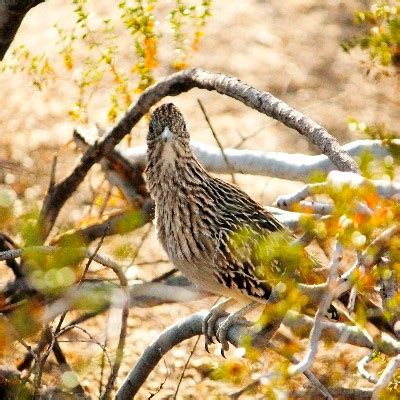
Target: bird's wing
(254, 249)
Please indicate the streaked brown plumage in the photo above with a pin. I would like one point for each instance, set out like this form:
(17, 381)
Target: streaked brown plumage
(197, 215)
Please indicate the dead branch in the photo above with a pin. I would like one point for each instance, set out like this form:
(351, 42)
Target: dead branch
(118, 223)
(119, 170)
(361, 368)
(337, 180)
(326, 301)
(6, 243)
(192, 326)
(387, 375)
(173, 85)
(172, 336)
(301, 326)
(295, 167)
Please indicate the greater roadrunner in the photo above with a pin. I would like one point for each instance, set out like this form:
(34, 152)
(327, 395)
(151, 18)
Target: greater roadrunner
(210, 229)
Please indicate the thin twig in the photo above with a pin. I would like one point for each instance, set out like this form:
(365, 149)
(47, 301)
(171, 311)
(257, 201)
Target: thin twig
(65, 367)
(86, 269)
(102, 363)
(40, 361)
(53, 172)
(322, 309)
(140, 245)
(386, 377)
(259, 381)
(63, 331)
(165, 275)
(228, 164)
(362, 370)
(124, 321)
(162, 383)
(185, 367)
(105, 202)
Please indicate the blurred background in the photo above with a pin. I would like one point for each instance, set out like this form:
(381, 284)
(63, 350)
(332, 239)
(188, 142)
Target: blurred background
(52, 80)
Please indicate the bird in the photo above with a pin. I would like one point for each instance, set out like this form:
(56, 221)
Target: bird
(211, 230)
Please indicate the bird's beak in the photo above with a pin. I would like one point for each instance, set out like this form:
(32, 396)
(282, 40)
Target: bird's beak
(167, 135)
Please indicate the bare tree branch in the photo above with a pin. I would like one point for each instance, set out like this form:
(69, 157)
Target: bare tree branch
(192, 326)
(326, 301)
(295, 167)
(337, 180)
(119, 223)
(387, 375)
(6, 243)
(362, 370)
(301, 326)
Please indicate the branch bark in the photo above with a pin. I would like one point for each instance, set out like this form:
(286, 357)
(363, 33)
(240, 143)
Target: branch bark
(387, 375)
(192, 326)
(295, 167)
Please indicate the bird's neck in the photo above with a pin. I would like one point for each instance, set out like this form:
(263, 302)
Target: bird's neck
(169, 170)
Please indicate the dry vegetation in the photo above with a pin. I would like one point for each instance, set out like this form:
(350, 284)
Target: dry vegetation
(290, 49)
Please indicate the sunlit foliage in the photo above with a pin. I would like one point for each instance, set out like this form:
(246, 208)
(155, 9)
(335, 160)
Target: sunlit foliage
(381, 36)
(90, 55)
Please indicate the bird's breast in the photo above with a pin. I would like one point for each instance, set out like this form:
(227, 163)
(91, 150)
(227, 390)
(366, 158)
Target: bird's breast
(168, 154)
(183, 228)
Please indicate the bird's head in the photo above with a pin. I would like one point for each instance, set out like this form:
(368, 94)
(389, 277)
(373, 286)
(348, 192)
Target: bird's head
(167, 125)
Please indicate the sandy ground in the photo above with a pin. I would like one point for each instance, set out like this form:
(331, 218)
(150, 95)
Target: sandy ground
(289, 48)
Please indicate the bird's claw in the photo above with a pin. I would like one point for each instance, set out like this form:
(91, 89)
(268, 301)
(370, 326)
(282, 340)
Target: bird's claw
(209, 322)
(222, 331)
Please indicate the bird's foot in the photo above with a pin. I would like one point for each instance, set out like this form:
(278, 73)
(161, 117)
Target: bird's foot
(236, 318)
(216, 312)
(222, 332)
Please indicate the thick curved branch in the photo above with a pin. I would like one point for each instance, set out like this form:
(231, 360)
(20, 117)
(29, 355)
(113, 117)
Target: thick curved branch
(295, 167)
(172, 336)
(192, 326)
(173, 85)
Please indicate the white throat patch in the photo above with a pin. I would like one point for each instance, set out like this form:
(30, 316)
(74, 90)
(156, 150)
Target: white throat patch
(168, 153)
(167, 135)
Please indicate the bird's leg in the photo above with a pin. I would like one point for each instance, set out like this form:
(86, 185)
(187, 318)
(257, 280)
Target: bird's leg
(209, 321)
(234, 319)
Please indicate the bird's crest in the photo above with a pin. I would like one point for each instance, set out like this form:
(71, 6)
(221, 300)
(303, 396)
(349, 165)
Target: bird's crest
(167, 119)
